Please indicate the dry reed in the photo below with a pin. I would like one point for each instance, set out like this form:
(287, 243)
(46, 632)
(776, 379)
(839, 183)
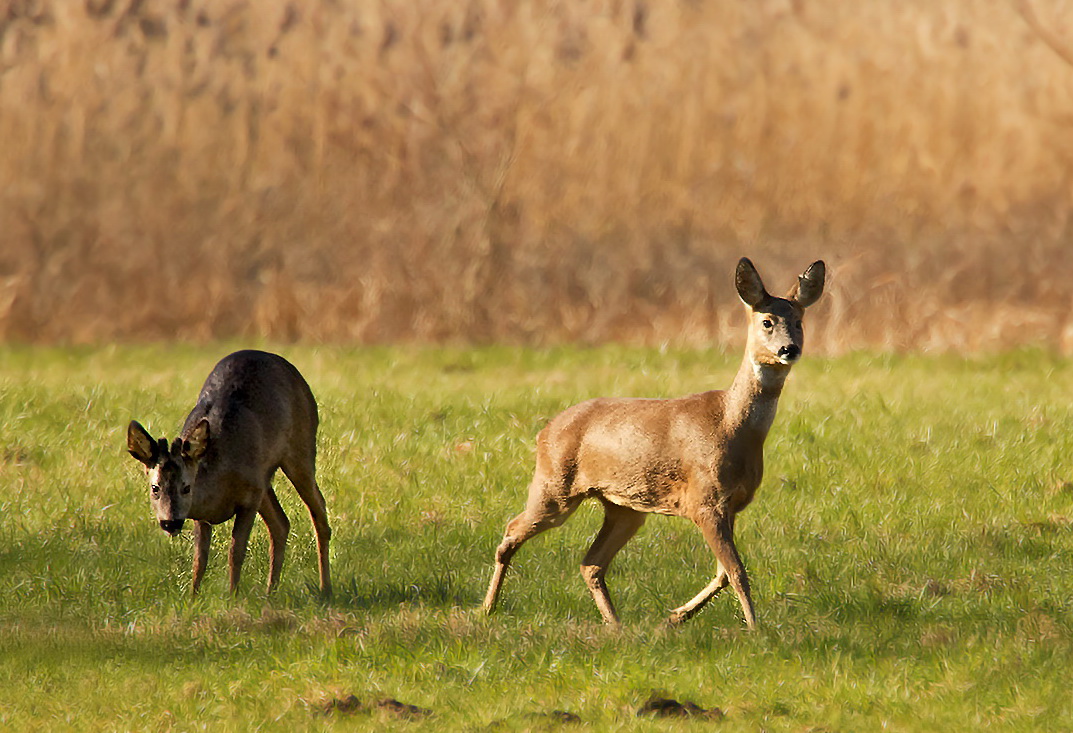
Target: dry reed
(527, 171)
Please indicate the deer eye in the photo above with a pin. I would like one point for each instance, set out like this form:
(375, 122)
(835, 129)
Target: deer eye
(186, 489)
(767, 323)
(156, 490)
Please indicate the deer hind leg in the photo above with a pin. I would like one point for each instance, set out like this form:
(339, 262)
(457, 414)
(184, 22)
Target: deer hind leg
(302, 473)
(202, 541)
(539, 515)
(719, 533)
(278, 529)
(620, 524)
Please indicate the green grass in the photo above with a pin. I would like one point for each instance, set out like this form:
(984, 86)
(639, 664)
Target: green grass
(910, 552)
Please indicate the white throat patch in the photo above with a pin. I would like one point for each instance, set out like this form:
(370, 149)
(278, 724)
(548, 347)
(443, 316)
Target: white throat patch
(768, 376)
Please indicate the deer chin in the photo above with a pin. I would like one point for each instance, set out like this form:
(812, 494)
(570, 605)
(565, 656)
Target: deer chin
(773, 364)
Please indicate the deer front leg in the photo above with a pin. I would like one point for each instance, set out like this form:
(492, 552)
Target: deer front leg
(719, 533)
(686, 611)
(202, 540)
(240, 537)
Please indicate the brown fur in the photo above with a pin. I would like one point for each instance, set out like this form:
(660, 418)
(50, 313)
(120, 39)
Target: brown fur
(255, 414)
(700, 456)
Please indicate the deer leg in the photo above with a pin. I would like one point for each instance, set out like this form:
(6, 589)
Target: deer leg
(240, 537)
(202, 540)
(536, 518)
(620, 524)
(687, 611)
(302, 474)
(719, 533)
(278, 529)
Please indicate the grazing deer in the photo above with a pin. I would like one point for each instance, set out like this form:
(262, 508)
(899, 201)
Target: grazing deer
(700, 456)
(255, 414)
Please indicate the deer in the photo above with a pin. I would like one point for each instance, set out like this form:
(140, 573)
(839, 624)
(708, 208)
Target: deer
(699, 456)
(254, 414)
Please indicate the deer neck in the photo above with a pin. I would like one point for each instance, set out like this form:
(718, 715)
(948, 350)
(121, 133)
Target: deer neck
(205, 499)
(750, 402)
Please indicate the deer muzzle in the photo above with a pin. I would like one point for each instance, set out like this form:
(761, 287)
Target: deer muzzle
(789, 354)
(172, 526)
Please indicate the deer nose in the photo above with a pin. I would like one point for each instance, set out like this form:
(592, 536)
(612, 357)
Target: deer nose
(790, 352)
(172, 526)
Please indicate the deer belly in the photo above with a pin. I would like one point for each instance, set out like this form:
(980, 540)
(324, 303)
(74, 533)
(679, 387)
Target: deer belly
(659, 489)
(215, 515)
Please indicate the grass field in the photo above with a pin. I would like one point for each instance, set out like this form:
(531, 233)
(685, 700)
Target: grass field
(910, 551)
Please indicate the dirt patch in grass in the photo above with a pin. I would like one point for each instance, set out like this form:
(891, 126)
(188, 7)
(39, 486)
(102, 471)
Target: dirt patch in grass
(346, 705)
(353, 705)
(662, 707)
(559, 716)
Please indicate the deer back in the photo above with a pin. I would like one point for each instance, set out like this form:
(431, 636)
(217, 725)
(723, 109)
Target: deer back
(257, 407)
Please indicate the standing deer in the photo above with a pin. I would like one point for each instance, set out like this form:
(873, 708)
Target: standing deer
(255, 414)
(700, 456)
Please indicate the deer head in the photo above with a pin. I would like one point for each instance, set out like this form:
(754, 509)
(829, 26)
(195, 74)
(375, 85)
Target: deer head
(171, 471)
(776, 336)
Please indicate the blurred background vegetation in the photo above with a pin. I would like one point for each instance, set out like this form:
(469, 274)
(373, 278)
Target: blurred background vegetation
(524, 171)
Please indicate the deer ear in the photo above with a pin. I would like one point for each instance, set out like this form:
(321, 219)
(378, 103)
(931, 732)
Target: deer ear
(750, 286)
(141, 444)
(809, 286)
(195, 444)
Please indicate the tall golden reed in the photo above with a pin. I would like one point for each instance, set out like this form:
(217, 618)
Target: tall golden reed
(532, 171)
